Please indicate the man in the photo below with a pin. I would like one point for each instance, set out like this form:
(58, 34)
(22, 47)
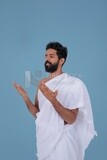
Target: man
(64, 120)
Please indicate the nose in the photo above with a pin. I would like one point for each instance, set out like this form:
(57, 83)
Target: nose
(47, 59)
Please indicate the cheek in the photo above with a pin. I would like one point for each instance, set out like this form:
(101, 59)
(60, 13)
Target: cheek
(54, 60)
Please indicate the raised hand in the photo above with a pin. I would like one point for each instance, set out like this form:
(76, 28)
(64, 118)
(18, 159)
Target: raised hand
(50, 95)
(20, 89)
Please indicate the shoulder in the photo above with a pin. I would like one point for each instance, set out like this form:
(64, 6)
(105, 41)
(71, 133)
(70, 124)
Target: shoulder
(77, 85)
(75, 80)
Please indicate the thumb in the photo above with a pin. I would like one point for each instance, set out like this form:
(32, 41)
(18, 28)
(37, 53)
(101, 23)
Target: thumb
(56, 92)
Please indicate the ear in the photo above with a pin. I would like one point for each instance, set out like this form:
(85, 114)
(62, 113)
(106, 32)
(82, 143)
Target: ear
(62, 60)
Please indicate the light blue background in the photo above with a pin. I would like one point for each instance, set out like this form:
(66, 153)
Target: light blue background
(26, 26)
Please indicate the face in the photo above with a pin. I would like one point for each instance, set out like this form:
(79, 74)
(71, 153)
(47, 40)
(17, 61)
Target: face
(51, 61)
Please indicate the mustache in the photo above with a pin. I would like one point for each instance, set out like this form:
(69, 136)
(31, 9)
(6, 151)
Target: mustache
(47, 62)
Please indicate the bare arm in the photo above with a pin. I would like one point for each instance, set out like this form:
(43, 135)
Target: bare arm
(33, 108)
(68, 115)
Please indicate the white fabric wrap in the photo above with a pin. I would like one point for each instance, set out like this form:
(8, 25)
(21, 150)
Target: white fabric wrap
(50, 128)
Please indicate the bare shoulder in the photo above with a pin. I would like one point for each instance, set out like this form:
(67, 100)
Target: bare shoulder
(44, 80)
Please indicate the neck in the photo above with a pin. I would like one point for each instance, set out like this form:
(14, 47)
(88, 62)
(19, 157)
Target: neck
(54, 74)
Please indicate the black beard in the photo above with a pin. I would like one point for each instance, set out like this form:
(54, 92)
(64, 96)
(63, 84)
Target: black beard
(51, 67)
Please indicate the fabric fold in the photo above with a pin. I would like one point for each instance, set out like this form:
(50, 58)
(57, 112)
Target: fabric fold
(50, 129)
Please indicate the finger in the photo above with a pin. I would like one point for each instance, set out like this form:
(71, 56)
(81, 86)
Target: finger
(41, 88)
(43, 84)
(45, 87)
(15, 84)
(56, 93)
(44, 90)
(40, 84)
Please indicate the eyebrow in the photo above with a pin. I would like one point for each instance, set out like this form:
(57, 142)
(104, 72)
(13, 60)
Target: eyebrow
(50, 54)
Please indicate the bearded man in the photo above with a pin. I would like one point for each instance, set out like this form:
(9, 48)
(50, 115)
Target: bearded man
(62, 110)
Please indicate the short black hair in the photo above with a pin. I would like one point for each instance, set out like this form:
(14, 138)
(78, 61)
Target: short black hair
(61, 50)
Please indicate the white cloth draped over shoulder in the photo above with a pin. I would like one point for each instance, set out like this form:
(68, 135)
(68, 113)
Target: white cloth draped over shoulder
(56, 141)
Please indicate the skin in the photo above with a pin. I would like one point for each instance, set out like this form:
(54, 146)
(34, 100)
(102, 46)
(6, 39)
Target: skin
(69, 116)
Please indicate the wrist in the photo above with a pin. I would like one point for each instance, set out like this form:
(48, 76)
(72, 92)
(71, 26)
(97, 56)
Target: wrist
(58, 107)
(54, 101)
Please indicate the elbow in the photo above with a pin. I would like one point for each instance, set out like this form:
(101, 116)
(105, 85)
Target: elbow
(70, 121)
(73, 117)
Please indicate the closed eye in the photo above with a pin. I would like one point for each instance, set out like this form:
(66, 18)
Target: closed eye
(50, 55)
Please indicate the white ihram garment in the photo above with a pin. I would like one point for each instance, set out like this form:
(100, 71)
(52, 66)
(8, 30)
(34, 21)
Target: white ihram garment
(56, 141)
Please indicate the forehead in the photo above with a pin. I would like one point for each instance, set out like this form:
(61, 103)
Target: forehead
(51, 51)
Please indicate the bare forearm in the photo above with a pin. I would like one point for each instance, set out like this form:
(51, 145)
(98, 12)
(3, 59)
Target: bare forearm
(67, 115)
(31, 107)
